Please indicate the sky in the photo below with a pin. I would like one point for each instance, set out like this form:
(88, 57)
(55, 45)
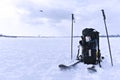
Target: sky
(53, 17)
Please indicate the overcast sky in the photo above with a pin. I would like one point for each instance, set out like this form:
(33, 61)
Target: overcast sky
(53, 17)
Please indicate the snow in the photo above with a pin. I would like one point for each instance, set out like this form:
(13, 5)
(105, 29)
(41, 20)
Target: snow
(38, 59)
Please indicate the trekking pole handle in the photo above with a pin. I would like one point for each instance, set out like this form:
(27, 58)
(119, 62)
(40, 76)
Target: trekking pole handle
(103, 14)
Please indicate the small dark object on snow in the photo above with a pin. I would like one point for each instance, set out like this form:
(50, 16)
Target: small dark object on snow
(92, 69)
(62, 66)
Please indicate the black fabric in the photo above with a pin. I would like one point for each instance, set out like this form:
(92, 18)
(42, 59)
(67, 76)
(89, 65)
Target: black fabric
(90, 59)
(89, 48)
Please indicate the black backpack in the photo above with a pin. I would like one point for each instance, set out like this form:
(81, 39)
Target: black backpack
(90, 46)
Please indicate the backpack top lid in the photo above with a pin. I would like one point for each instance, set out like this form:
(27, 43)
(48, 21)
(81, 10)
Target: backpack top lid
(90, 32)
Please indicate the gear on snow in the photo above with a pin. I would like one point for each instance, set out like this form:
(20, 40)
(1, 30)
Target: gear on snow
(90, 50)
(90, 47)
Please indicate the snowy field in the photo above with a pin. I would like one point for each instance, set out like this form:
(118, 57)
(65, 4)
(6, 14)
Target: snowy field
(38, 59)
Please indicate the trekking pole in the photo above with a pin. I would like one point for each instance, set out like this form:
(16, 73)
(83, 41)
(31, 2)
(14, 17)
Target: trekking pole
(72, 37)
(104, 17)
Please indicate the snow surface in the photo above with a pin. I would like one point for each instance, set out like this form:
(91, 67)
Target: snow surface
(38, 59)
